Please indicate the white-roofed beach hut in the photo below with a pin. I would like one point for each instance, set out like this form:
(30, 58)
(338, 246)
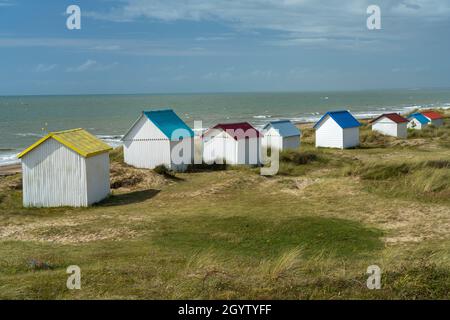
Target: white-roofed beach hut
(391, 124)
(281, 135)
(159, 137)
(337, 129)
(66, 168)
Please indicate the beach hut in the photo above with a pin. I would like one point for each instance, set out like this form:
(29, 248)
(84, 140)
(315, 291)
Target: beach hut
(156, 138)
(417, 121)
(234, 143)
(281, 135)
(66, 168)
(436, 119)
(391, 124)
(337, 129)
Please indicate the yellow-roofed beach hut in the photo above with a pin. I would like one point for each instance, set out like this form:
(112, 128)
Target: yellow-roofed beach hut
(65, 168)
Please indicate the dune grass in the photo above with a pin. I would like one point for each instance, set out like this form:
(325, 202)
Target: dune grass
(425, 180)
(229, 233)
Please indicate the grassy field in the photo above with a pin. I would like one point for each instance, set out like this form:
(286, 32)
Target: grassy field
(229, 233)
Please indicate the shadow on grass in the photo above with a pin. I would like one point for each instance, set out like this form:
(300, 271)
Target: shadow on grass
(204, 167)
(173, 177)
(128, 198)
(247, 236)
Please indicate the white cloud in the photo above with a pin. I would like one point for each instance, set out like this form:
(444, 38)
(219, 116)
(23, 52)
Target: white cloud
(89, 64)
(122, 46)
(307, 22)
(44, 67)
(6, 3)
(286, 15)
(92, 65)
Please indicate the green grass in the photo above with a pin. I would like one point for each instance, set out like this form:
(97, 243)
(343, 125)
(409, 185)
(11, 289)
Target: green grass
(259, 238)
(225, 232)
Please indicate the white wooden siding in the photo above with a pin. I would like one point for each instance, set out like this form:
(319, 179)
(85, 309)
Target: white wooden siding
(147, 153)
(273, 140)
(144, 129)
(437, 122)
(402, 130)
(329, 134)
(248, 151)
(185, 150)
(414, 124)
(351, 137)
(145, 146)
(390, 128)
(97, 173)
(220, 145)
(385, 126)
(54, 176)
(292, 142)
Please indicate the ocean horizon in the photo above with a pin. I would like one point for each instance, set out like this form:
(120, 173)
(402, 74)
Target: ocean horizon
(27, 118)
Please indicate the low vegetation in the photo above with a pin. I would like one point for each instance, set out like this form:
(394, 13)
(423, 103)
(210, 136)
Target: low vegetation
(426, 180)
(228, 233)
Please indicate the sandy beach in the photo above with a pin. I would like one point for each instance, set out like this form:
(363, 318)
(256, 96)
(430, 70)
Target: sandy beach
(10, 169)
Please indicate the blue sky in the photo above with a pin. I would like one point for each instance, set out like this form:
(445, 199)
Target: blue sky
(153, 46)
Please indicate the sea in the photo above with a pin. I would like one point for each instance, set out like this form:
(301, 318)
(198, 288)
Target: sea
(25, 119)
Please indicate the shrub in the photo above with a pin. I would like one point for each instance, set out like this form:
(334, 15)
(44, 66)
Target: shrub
(207, 167)
(162, 170)
(298, 158)
(383, 171)
(116, 155)
(126, 181)
(374, 138)
(438, 164)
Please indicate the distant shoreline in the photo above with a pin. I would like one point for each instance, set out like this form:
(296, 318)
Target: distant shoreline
(325, 90)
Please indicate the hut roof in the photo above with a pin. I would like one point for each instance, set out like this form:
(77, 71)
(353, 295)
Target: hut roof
(168, 122)
(78, 140)
(392, 116)
(285, 128)
(433, 115)
(420, 117)
(342, 117)
(238, 130)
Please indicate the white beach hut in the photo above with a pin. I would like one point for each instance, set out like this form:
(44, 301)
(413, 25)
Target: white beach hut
(337, 129)
(391, 124)
(417, 121)
(159, 138)
(436, 119)
(66, 168)
(236, 143)
(281, 135)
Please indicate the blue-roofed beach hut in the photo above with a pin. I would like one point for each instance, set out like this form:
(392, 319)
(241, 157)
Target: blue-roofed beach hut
(337, 129)
(159, 137)
(417, 121)
(281, 135)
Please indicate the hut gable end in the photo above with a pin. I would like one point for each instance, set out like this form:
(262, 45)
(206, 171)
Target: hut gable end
(143, 129)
